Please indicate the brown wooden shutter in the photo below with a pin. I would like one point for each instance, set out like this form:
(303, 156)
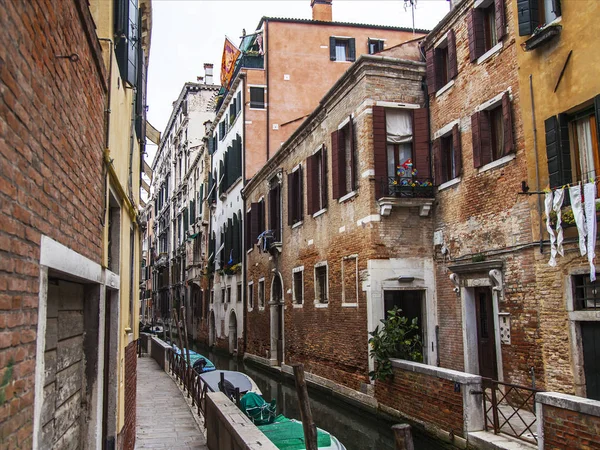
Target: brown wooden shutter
(254, 222)
(379, 150)
(311, 184)
(337, 166)
(430, 61)
(500, 19)
(597, 114)
(324, 190)
(452, 61)
(457, 149)
(438, 161)
(475, 137)
(485, 137)
(291, 197)
(300, 193)
(352, 155)
(508, 126)
(476, 34)
(421, 159)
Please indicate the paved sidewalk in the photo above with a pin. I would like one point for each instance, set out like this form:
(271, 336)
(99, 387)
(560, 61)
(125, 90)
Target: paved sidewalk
(164, 419)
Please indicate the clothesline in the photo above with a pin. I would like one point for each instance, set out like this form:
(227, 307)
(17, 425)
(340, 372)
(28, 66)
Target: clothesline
(568, 185)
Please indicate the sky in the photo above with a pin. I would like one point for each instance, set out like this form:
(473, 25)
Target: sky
(188, 33)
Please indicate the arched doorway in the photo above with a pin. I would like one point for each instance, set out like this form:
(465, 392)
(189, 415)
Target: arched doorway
(232, 333)
(276, 304)
(211, 329)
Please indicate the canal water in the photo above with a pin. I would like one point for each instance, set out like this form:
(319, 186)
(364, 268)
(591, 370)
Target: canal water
(356, 429)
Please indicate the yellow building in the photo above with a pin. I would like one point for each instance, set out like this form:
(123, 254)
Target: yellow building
(124, 29)
(560, 90)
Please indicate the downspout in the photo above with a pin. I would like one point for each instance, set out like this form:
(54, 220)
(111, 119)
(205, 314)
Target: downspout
(267, 76)
(107, 124)
(244, 243)
(537, 165)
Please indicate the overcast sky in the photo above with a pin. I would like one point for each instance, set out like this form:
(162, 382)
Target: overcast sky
(188, 33)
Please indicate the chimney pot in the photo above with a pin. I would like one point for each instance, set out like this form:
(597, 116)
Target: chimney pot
(321, 10)
(208, 73)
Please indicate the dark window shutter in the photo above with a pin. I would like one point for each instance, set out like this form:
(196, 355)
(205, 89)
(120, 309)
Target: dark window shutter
(476, 34)
(300, 193)
(337, 163)
(239, 101)
(201, 200)
(379, 150)
(311, 184)
(332, 48)
(508, 126)
(456, 146)
(254, 222)
(351, 49)
(421, 159)
(211, 145)
(236, 239)
(431, 84)
(324, 190)
(278, 213)
(475, 138)
(485, 137)
(229, 241)
(221, 179)
(500, 19)
(439, 67)
(126, 22)
(438, 161)
(290, 197)
(452, 61)
(597, 113)
(352, 154)
(528, 14)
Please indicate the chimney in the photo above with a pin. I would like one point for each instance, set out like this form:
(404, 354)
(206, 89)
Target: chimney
(208, 73)
(321, 10)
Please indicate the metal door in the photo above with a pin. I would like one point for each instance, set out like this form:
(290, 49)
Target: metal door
(590, 338)
(486, 341)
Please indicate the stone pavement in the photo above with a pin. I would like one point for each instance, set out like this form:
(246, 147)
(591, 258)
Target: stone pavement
(164, 419)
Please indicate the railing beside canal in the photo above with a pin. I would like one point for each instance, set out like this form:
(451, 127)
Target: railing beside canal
(189, 379)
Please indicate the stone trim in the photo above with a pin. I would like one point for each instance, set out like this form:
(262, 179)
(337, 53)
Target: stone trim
(484, 266)
(434, 371)
(570, 402)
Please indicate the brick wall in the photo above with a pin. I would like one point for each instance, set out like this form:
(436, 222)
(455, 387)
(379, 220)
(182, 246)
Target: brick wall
(426, 398)
(51, 134)
(128, 432)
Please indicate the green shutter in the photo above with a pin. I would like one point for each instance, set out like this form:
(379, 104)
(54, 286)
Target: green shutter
(201, 199)
(558, 151)
(597, 113)
(528, 13)
(352, 50)
(332, 48)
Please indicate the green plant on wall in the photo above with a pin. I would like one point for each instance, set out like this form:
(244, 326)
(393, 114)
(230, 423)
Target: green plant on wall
(5, 380)
(397, 338)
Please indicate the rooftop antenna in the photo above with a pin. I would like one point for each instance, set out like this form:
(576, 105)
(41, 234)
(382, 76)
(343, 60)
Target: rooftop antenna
(413, 5)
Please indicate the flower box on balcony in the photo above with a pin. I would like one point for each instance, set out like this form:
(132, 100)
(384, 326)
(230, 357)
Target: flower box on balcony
(545, 34)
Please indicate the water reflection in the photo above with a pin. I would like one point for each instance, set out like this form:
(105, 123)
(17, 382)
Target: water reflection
(356, 429)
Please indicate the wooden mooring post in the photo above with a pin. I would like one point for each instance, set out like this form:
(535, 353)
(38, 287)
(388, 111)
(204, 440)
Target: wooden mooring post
(185, 336)
(310, 429)
(403, 437)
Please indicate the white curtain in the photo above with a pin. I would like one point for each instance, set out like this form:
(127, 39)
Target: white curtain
(340, 52)
(398, 123)
(586, 151)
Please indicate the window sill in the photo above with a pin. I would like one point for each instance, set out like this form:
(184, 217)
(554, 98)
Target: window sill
(297, 305)
(319, 213)
(319, 304)
(297, 224)
(499, 162)
(346, 197)
(349, 305)
(544, 35)
(449, 183)
(491, 52)
(444, 88)
(257, 109)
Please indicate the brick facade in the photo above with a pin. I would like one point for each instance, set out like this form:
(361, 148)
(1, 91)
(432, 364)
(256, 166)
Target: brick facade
(52, 134)
(570, 429)
(128, 432)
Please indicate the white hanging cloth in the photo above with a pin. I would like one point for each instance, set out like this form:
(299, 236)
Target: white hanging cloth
(398, 126)
(577, 206)
(559, 196)
(589, 195)
(548, 209)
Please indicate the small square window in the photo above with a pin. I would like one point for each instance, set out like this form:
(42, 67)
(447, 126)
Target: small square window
(587, 293)
(342, 49)
(298, 294)
(321, 288)
(257, 97)
(261, 293)
(375, 46)
(239, 293)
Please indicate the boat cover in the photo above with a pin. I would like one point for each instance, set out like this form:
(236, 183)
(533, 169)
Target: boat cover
(288, 434)
(194, 357)
(257, 409)
(237, 379)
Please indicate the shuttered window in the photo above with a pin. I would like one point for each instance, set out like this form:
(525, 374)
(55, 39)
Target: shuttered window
(447, 156)
(492, 133)
(342, 49)
(343, 161)
(127, 41)
(257, 97)
(275, 210)
(375, 46)
(486, 26)
(442, 64)
(294, 196)
(533, 13)
(316, 174)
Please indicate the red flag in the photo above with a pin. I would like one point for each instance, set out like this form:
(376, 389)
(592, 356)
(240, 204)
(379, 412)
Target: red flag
(230, 56)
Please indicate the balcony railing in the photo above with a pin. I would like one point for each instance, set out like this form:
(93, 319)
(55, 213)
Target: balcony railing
(407, 187)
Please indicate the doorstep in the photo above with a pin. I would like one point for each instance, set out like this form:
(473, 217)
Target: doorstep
(489, 441)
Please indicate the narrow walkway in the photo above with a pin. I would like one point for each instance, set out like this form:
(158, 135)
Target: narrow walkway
(164, 419)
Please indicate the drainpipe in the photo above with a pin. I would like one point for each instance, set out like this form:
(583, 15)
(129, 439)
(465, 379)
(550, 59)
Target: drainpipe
(107, 122)
(245, 254)
(268, 89)
(537, 165)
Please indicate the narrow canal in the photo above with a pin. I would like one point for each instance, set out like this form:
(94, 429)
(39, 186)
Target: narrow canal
(356, 429)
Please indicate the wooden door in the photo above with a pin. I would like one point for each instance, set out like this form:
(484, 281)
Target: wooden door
(590, 339)
(486, 341)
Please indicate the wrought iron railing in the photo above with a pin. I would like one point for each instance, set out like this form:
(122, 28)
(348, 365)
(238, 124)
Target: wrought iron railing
(408, 187)
(189, 379)
(510, 409)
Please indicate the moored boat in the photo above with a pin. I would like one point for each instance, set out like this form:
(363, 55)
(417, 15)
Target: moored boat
(200, 363)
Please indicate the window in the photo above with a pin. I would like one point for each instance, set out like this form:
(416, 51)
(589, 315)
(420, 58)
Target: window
(212, 296)
(298, 285)
(492, 132)
(223, 295)
(442, 64)
(228, 294)
(238, 292)
(257, 97)
(447, 156)
(486, 27)
(375, 46)
(316, 174)
(255, 223)
(251, 295)
(587, 293)
(126, 51)
(342, 49)
(343, 160)
(294, 196)
(572, 145)
(275, 208)
(533, 13)
(261, 293)
(321, 287)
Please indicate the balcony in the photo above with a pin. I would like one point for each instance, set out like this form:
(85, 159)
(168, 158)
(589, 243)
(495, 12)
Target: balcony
(406, 192)
(250, 61)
